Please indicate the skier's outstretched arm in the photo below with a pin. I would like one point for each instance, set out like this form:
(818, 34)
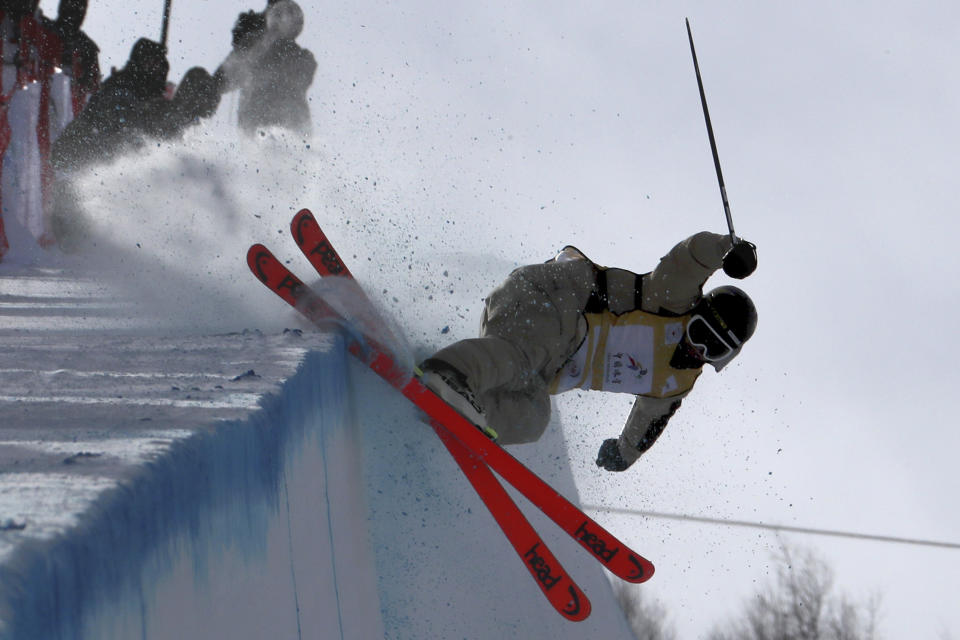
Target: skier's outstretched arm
(676, 284)
(647, 420)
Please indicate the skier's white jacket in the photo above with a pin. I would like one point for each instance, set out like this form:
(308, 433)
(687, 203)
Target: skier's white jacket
(551, 327)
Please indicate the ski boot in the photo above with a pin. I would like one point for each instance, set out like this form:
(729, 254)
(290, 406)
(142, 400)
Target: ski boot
(451, 385)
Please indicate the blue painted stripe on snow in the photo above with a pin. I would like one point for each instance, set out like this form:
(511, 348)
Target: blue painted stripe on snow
(333, 542)
(130, 536)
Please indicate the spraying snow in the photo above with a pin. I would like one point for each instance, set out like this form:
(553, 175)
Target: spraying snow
(170, 227)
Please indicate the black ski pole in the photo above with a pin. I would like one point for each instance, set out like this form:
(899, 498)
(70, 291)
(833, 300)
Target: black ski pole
(164, 29)
(742, 259)
(713, 142)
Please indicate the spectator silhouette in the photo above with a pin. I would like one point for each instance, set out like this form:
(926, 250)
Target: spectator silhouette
(270, 70)
(30, 51)
(78, 59)
(130, 108)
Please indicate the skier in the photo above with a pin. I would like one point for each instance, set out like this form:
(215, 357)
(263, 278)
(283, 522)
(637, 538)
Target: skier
(570, 323)
(271, 71)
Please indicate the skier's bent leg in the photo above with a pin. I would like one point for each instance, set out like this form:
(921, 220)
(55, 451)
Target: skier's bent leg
(465, 372)
(487, 363)
(518, 416)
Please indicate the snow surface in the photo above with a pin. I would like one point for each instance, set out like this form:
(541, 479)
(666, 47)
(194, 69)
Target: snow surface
(162, 486)
(252, 484)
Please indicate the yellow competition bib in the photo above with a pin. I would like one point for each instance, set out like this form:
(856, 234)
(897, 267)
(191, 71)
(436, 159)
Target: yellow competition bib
(629, 353)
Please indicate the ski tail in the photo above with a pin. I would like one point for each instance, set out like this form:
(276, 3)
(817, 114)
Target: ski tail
(276, 277)
(348, 296)
(271, 272)
(315, 246)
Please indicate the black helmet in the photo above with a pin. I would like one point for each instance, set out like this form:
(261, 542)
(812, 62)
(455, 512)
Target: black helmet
(723, 320)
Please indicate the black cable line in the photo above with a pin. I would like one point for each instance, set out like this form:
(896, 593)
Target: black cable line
(777, 527)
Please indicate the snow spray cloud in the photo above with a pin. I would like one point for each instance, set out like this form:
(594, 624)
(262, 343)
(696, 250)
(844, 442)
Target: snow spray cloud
(170, 228)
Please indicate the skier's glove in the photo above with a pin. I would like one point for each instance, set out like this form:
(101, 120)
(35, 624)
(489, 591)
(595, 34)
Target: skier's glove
(609, 457)
(741, 260)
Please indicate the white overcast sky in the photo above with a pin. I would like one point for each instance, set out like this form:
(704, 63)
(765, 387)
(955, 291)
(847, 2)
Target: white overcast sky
(536, 124)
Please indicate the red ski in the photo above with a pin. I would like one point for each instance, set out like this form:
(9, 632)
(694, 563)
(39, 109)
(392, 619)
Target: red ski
(562, 592)
(614, 555)
(604, 546)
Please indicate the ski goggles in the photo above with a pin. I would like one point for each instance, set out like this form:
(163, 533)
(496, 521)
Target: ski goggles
(713, 346)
